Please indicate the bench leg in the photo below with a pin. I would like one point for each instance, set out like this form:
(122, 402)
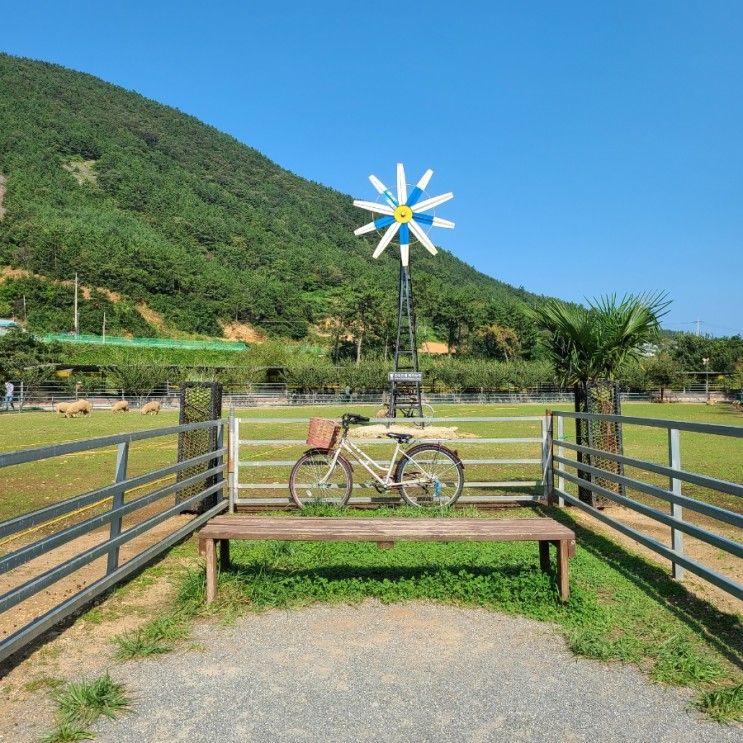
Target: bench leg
(211, 571)
(544, 556)
(224, 554)
(563, 555)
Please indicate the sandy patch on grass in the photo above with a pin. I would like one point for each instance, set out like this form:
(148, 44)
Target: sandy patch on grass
(380, 431)
(82, 171)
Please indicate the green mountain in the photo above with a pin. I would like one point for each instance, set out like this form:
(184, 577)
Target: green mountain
(182, 227)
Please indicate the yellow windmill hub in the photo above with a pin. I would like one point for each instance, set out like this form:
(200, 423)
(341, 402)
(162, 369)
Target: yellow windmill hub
(403, 214)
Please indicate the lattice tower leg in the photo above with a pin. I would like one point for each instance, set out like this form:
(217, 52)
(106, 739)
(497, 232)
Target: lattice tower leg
(405, 396)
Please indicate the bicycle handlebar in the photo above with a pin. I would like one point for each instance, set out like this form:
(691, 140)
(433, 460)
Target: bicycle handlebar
(350, 419)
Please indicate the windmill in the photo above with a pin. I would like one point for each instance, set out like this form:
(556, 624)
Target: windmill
(404, 215)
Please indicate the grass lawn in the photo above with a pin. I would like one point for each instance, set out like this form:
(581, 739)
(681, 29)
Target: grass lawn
(30, 486)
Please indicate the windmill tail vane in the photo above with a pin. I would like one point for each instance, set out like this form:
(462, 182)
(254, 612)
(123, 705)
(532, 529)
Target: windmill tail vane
(403, 214)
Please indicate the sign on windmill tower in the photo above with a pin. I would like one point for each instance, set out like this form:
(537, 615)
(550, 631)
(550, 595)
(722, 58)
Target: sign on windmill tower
(404, 215)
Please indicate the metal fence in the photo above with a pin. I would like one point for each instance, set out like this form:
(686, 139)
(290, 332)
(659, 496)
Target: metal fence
(254, 446)
(562, 470)
(53, 522)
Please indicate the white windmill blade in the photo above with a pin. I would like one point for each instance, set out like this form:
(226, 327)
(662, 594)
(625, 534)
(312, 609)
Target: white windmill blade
(431, 203)
(430, 220)
(420, 187)
(382, 190)
(423, 238)
(404, 244)
(374, 206)
(386, 239)
(402, 188)
(377, 224)
(366, 228)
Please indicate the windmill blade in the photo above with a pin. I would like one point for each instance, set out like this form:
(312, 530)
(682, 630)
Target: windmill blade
(404, 244)
(382, 190)
(386, 239)
(402, 188)
(424, 206)
(434, 221)
(377, 224)
(420, 187)
(417, 230)
(374, 206)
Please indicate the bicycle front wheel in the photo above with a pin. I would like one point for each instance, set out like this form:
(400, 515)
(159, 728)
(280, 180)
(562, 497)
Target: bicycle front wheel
(314, 479)
(430, 475)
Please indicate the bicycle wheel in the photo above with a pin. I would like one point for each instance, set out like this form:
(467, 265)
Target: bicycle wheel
(311, 480)
(430, 475)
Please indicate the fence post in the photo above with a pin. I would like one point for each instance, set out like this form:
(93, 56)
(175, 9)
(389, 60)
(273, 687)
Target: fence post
(232, 467)
(547, 455)
(674, 461)
(122, 459)
(220, 460)
(560, 453)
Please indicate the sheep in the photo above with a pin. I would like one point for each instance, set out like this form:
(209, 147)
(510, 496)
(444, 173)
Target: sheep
(61, 407)
(80, 406)
(122, 406)
(151, 407)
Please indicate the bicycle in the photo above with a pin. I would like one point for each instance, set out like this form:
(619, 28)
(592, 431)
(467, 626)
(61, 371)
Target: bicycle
(425, 474)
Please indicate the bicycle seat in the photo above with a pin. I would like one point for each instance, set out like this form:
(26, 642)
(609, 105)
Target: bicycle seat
(401, 437)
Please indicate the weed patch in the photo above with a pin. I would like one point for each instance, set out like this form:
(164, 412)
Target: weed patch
(81, 703)
(723, 705)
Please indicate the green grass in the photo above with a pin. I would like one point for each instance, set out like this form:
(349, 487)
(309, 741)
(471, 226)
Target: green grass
(81, 703)
(723, 705)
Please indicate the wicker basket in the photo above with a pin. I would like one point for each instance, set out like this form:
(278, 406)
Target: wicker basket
(322, 433)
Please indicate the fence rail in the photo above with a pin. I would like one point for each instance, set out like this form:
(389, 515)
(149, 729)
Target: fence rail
(211, 465)
(584, 475)
(253, 493)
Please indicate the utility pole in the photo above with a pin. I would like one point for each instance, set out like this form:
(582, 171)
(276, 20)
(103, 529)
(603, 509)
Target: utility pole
(25, 313)
(705, 361)
(77, 319)
(104, 327)
(699, 323)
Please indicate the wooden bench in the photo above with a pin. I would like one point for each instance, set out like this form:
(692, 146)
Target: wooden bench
(385, 532)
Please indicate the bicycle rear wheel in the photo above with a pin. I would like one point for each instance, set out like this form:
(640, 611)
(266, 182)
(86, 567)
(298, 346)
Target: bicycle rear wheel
(431, 475)
(311, 480)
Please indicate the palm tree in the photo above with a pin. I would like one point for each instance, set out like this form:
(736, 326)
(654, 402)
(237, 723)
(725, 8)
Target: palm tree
(596, 342)
(590, 345)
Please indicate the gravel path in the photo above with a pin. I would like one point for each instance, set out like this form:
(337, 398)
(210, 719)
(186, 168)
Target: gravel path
(412, 672)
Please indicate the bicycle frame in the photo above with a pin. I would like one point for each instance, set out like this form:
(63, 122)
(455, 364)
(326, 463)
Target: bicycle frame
(370, 465)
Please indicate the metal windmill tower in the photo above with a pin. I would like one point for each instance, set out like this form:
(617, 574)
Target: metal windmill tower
(401, 216)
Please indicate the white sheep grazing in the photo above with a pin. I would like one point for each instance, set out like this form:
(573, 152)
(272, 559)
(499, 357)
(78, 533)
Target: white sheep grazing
(122, 406)
(151, 407)
(80, 406)
(61, 407)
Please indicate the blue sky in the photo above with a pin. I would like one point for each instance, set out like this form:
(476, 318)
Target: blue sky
(592, 147)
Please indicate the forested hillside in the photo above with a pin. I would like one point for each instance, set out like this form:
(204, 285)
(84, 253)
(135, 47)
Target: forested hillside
(189, 228)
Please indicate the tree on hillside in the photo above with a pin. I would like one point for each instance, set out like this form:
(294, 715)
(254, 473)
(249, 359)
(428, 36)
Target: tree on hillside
(27, 361)
(137, 375)
(496, 342)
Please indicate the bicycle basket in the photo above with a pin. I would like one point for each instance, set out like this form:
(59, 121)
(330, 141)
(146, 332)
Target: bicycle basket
(322, 433)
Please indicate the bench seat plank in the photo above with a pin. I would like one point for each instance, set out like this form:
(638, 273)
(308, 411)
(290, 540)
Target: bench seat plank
(388, 529)
(385, 532)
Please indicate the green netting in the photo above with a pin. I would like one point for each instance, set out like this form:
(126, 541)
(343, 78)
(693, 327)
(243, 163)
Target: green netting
(97, 340)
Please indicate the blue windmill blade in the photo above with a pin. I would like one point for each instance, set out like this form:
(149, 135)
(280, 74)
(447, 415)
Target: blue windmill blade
(377, 224)
(420, 187)
(429, 219)
(382, 190)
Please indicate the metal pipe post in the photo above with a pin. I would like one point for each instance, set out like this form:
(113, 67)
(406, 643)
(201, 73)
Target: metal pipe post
(674, 484)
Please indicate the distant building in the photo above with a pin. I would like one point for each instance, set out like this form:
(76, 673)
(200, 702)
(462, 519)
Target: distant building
(7, 325)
